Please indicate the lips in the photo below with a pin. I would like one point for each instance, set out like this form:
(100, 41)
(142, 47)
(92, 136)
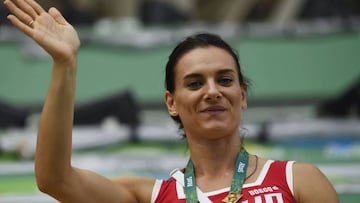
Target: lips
(213, 109)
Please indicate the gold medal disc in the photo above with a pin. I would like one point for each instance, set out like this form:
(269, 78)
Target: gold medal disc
(232, 197)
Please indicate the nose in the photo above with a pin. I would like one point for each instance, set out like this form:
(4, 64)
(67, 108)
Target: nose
(212, 91)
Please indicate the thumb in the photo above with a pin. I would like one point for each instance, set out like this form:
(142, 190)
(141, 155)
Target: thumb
(53, 12)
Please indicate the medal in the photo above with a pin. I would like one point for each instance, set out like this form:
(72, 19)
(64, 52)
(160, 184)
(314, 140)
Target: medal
(232, 197)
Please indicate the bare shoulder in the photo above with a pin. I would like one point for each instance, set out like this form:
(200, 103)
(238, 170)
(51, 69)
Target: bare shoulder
(140, 187)
(311, 185)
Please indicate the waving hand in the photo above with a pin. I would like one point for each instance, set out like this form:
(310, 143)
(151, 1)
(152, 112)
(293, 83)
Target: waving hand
(49, 29)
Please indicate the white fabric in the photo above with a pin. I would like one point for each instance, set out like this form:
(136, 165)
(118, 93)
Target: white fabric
(289, 175)
(156, 190)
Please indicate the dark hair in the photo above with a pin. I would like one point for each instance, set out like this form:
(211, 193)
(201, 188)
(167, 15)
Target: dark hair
(190, 43)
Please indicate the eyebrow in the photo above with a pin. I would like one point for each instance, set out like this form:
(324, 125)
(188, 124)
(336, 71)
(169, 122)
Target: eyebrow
(198, 75)
(223, 71)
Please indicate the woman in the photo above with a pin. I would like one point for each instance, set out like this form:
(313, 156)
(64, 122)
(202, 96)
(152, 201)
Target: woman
(205, 93)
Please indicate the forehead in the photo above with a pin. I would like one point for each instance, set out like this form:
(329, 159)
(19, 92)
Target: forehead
(205, 59)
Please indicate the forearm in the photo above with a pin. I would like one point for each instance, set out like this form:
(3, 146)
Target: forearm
(53, 150)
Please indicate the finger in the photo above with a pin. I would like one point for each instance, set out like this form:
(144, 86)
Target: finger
(57, 16)
(38, 9)
(20, 25)
(19, 13)
(26, 7)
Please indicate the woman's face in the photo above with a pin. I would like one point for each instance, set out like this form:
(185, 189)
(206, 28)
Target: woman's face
(208, 97)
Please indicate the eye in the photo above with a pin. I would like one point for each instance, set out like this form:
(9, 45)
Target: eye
(226, 81)
(193, 85)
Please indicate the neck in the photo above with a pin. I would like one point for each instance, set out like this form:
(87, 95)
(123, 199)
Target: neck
(212, 158)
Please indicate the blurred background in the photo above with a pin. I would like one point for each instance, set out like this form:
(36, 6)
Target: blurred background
(301, 57)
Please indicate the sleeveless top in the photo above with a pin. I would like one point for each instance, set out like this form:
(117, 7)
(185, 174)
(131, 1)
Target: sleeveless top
(273, 185)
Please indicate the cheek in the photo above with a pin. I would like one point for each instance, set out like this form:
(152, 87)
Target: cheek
(237, 103)
(236, 98)
(186, 104)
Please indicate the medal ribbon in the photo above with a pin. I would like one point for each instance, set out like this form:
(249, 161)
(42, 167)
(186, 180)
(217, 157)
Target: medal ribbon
(236, 183)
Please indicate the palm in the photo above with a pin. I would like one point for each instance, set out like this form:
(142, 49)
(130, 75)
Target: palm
(59, 40)
(49, 29)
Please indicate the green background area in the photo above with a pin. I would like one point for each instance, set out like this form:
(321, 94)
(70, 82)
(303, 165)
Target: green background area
(279, 68)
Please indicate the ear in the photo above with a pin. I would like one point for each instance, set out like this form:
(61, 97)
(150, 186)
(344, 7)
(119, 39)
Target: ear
(170, 104)
(243, 98)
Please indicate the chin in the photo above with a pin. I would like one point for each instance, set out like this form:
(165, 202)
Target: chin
(216, 131)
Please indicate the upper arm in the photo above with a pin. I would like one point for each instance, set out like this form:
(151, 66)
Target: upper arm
(87, 186)
(311, 185)
(140, 188)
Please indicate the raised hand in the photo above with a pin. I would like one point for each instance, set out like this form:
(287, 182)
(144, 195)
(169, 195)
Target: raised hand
(49, 29)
